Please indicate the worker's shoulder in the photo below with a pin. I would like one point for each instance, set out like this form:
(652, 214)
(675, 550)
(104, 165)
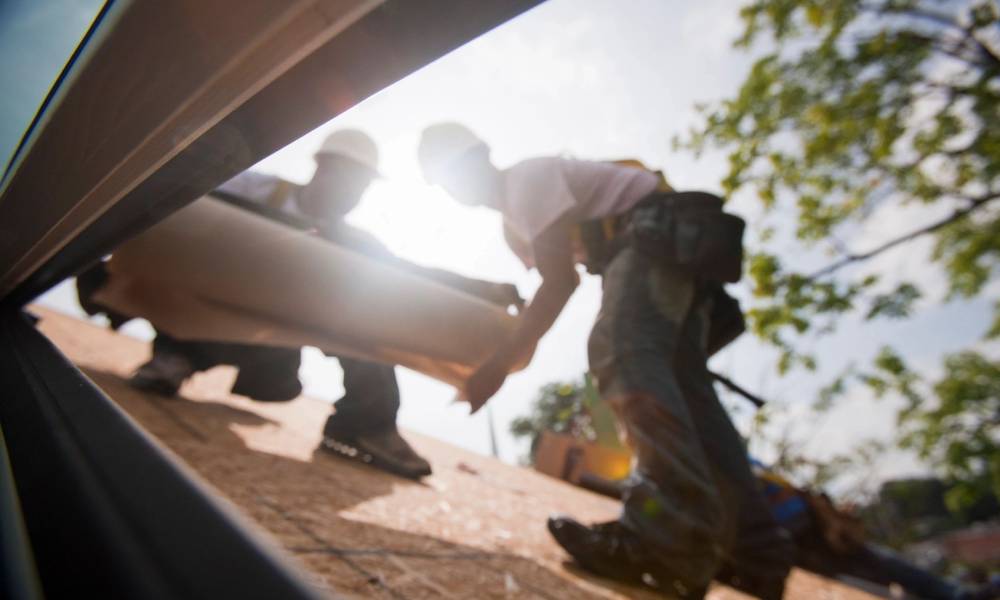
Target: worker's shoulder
(536, 165)
(534, 175)
(548, 164)
(630, 163)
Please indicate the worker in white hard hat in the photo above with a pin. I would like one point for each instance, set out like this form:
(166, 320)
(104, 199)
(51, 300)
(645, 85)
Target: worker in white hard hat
(346, 164)
(691, 503)
(363, 425)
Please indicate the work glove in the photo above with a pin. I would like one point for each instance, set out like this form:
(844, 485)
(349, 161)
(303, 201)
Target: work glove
(506, 295)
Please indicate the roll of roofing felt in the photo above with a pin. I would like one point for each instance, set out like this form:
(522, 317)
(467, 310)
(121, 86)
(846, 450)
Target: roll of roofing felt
(218, 273)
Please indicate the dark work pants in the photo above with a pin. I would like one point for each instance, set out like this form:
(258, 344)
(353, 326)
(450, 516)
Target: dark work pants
(691, 497)
(371, 394)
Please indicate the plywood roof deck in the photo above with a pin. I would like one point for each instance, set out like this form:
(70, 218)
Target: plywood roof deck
(475, 529)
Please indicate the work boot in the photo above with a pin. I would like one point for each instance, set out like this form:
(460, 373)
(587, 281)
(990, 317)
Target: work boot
(386, 449)
(611, 550)
(264, 386)
(163, 374)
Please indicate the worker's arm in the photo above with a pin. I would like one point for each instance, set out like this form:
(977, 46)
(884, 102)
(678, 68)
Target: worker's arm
(554, 259)
(501, 294)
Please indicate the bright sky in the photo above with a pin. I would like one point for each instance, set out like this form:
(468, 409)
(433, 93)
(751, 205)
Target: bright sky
(601, 80)
(36, 40)
(592, 79)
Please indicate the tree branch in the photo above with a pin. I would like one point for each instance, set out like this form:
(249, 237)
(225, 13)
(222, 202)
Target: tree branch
(968, 32)
(985, 49)
(931, 228)
(938, 45)
(915, 12)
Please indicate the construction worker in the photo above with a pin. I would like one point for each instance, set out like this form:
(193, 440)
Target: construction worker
(691, 502)
(363, 425)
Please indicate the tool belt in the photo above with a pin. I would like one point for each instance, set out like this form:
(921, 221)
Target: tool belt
(684, 229)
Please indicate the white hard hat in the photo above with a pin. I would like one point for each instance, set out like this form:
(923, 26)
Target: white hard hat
(353, 144)
(443, 143)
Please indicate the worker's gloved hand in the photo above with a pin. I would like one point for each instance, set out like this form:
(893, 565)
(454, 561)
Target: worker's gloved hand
(506, 294)
(485, 382)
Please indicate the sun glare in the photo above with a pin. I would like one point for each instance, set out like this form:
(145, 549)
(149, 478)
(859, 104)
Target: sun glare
(416, 221)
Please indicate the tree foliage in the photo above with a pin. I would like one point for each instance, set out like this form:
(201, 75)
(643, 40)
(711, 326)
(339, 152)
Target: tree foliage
(559, 407)
(786, 449)
(864, 103)
(858, 106)
(905, 511)
(909, 510)
(574, 408)
(953, 422)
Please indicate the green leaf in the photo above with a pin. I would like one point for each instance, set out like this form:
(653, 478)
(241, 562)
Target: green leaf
(896, 304)
(994, 331)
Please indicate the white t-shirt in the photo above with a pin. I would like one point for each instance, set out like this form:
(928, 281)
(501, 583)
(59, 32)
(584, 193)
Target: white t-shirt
(539, 191)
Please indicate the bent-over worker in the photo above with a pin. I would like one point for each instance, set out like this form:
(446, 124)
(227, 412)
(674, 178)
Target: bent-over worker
(363, 425)
(691, 502)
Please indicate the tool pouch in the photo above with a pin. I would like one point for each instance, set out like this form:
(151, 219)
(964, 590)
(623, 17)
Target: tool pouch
(690, 230)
